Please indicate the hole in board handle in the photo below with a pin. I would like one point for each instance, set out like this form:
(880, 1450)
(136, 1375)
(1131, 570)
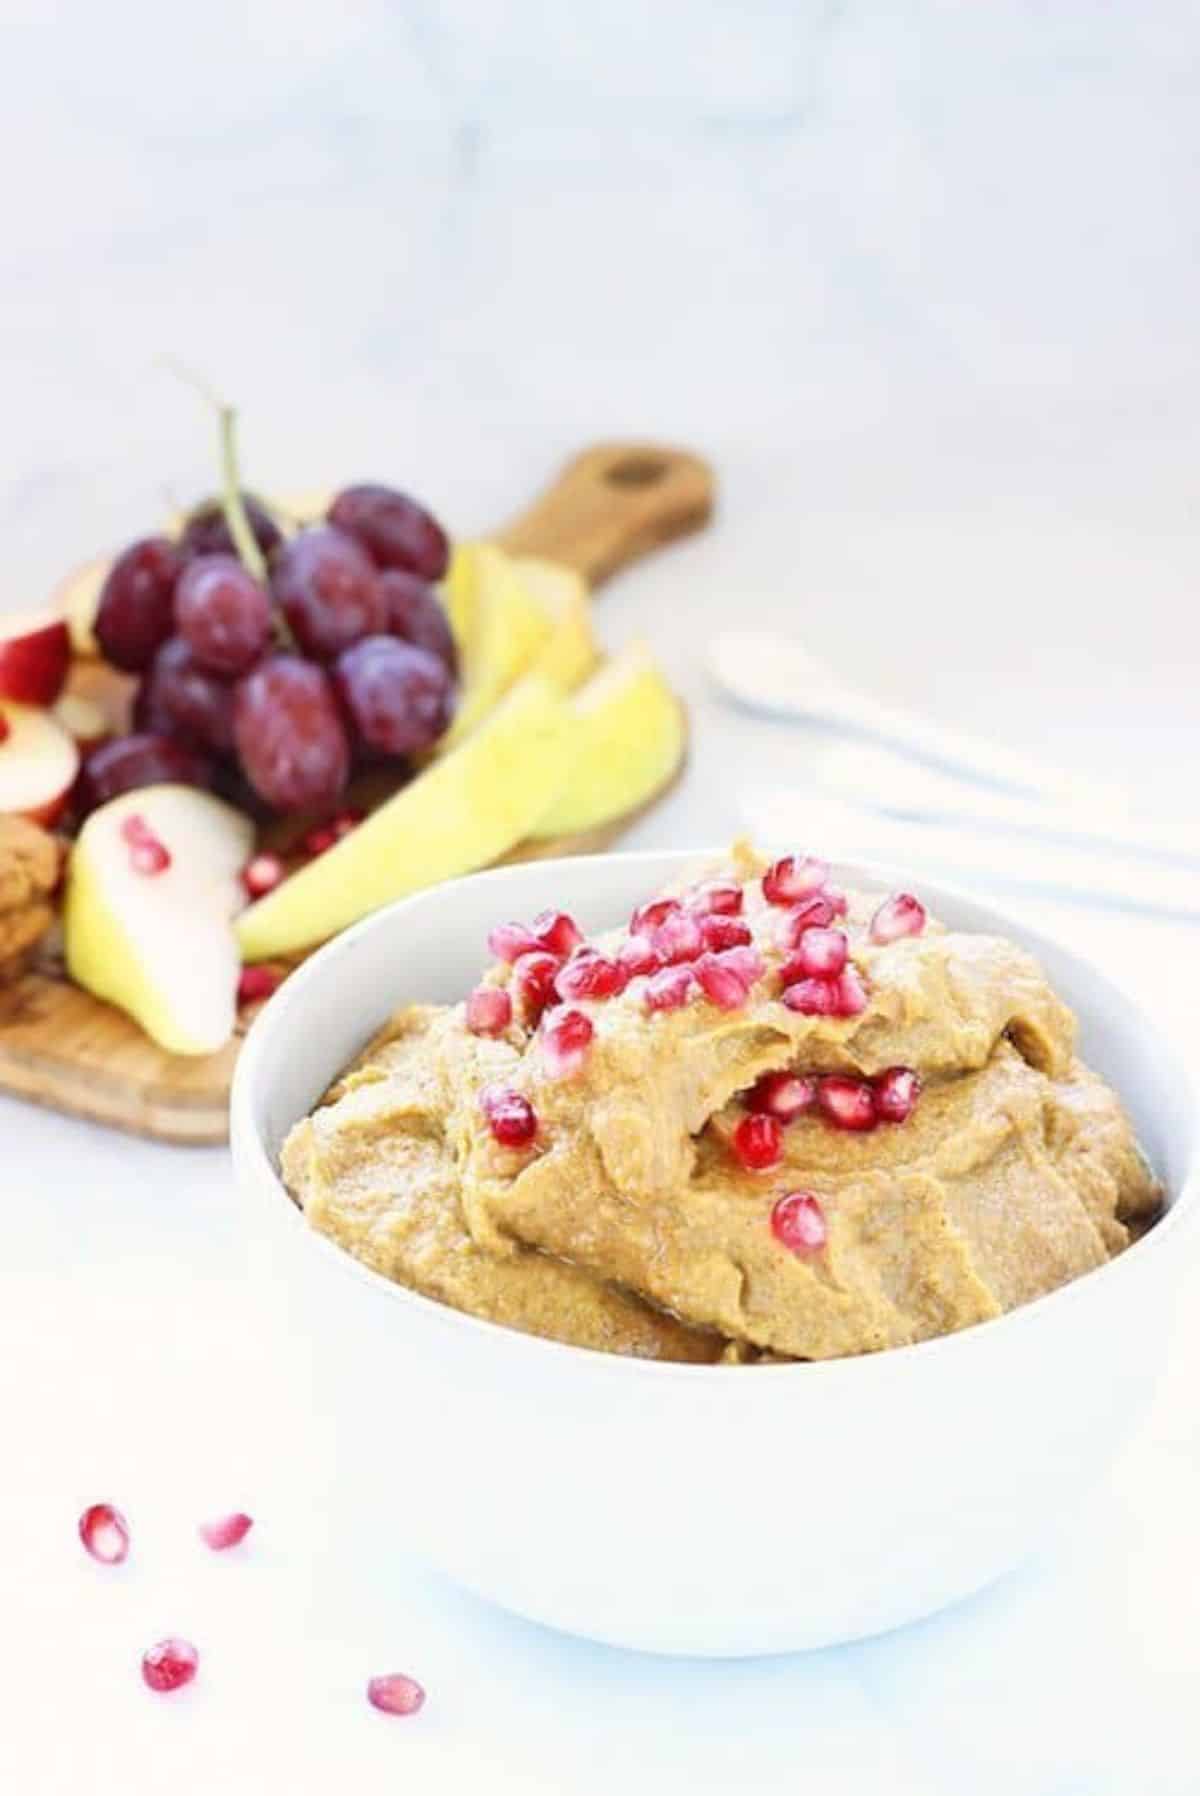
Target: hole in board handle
(637, 470)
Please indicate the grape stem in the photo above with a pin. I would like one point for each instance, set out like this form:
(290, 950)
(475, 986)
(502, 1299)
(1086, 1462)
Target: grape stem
(249, 553)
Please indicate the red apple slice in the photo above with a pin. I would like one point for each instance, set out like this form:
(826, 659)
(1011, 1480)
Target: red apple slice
(83, 720)
(38, 764)
(34, 651)
(77, 597)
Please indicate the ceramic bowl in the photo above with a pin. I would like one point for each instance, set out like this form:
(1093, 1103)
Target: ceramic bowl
(697, 1509)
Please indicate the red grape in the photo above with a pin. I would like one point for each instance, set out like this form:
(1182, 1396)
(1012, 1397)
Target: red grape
(185, 698)
(416, 614)
(136, 613)
(329, 590)
(397, 531)
(139, 760)
(289, 735)
(398, 696)
(222, 613)
(207, 533)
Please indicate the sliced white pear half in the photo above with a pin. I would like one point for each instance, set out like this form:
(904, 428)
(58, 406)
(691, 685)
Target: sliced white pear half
(570, 652)
(160, 945)
(499, 629)
(629, 742)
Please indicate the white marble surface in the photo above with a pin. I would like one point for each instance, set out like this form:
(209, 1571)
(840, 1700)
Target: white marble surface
(923, 282)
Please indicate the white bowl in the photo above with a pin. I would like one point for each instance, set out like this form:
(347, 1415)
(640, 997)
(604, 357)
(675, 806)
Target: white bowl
(697, 1509)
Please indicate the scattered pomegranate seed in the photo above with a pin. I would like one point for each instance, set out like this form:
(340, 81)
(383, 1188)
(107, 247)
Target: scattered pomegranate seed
(104, 1533)
(589, 974)
(747, 963)
(170, 1664)
(226, 1531)
(508, 941)
(720, 983)
(668, 990)
(851, 993)
(719, 931)
(897, 916)
(717, 899)
(319, 840)
(345, 821)
(817, 911)
(811, 997)
(896, 1094)
(134, 828)
(257, 983)
(510, 1116)
(261, 874)
(820, 953)
(758, 1142)
(489, 1010)
(147, 855)
(849, 1103)
(637, 957)
(677, 939)
(651, 916)
(793, 878)
(566, 1040)
(798, 1223)
(533, 982)
(395, 1694)
(782, 1095)
(557, 932)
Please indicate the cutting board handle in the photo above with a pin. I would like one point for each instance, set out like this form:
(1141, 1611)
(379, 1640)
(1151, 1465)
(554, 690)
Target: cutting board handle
(612, 504)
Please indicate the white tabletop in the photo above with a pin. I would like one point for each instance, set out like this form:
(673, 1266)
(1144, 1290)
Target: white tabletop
(924, 289)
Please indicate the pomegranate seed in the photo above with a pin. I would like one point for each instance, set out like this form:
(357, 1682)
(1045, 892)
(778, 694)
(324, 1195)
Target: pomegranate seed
(794, 878)
(649, 917)
(896, 1094)
(783, 1095)
(395, 1694)
(719, 931)
(149, 858)
(135, 829)
(533, 982)
(747, 963)
(637, 957)
(900, 915)
(489, 1010)
(815, 912)
(566, 1041)
(170, 1665)
(508, 941)
(758, 1142)
(669, 989)
(850, 1103)
(677, 939)
(226, 1531)
(720, 984)
(556, 932)
(717, 899)
(850, 993)
(798, 1223)
(510, 1116)
(319, 841)
(257, 983)
(589, 974)
(345, 821)
(812, 997)
(821, 953)
(262, 874)
(104, 1533)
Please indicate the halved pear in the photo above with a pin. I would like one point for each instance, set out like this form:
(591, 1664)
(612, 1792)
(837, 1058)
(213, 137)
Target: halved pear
(570, 652)
(629, 742)
(77, 597)
(462, 812)
(499, 629)
(160, 945)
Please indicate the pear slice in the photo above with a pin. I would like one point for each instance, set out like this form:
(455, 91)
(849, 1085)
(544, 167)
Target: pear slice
(161, 945)
(499, 628)
(463, 811)
(629, 742)
(570, 652)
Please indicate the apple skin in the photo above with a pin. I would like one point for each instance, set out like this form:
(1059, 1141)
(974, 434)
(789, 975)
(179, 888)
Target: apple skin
(35, 653)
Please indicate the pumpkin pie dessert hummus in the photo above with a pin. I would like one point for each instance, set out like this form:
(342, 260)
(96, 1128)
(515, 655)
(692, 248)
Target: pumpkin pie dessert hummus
(768, 1120)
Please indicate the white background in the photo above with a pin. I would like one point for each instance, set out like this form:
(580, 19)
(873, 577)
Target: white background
(923, 282)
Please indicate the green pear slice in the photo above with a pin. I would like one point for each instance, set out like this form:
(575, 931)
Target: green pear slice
(161, 946)
(462, 812)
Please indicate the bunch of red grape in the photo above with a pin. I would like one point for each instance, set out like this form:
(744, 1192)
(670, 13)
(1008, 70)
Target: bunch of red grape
(343, 657)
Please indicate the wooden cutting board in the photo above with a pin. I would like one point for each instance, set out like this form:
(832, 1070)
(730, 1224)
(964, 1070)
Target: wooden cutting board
(63, 1048)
